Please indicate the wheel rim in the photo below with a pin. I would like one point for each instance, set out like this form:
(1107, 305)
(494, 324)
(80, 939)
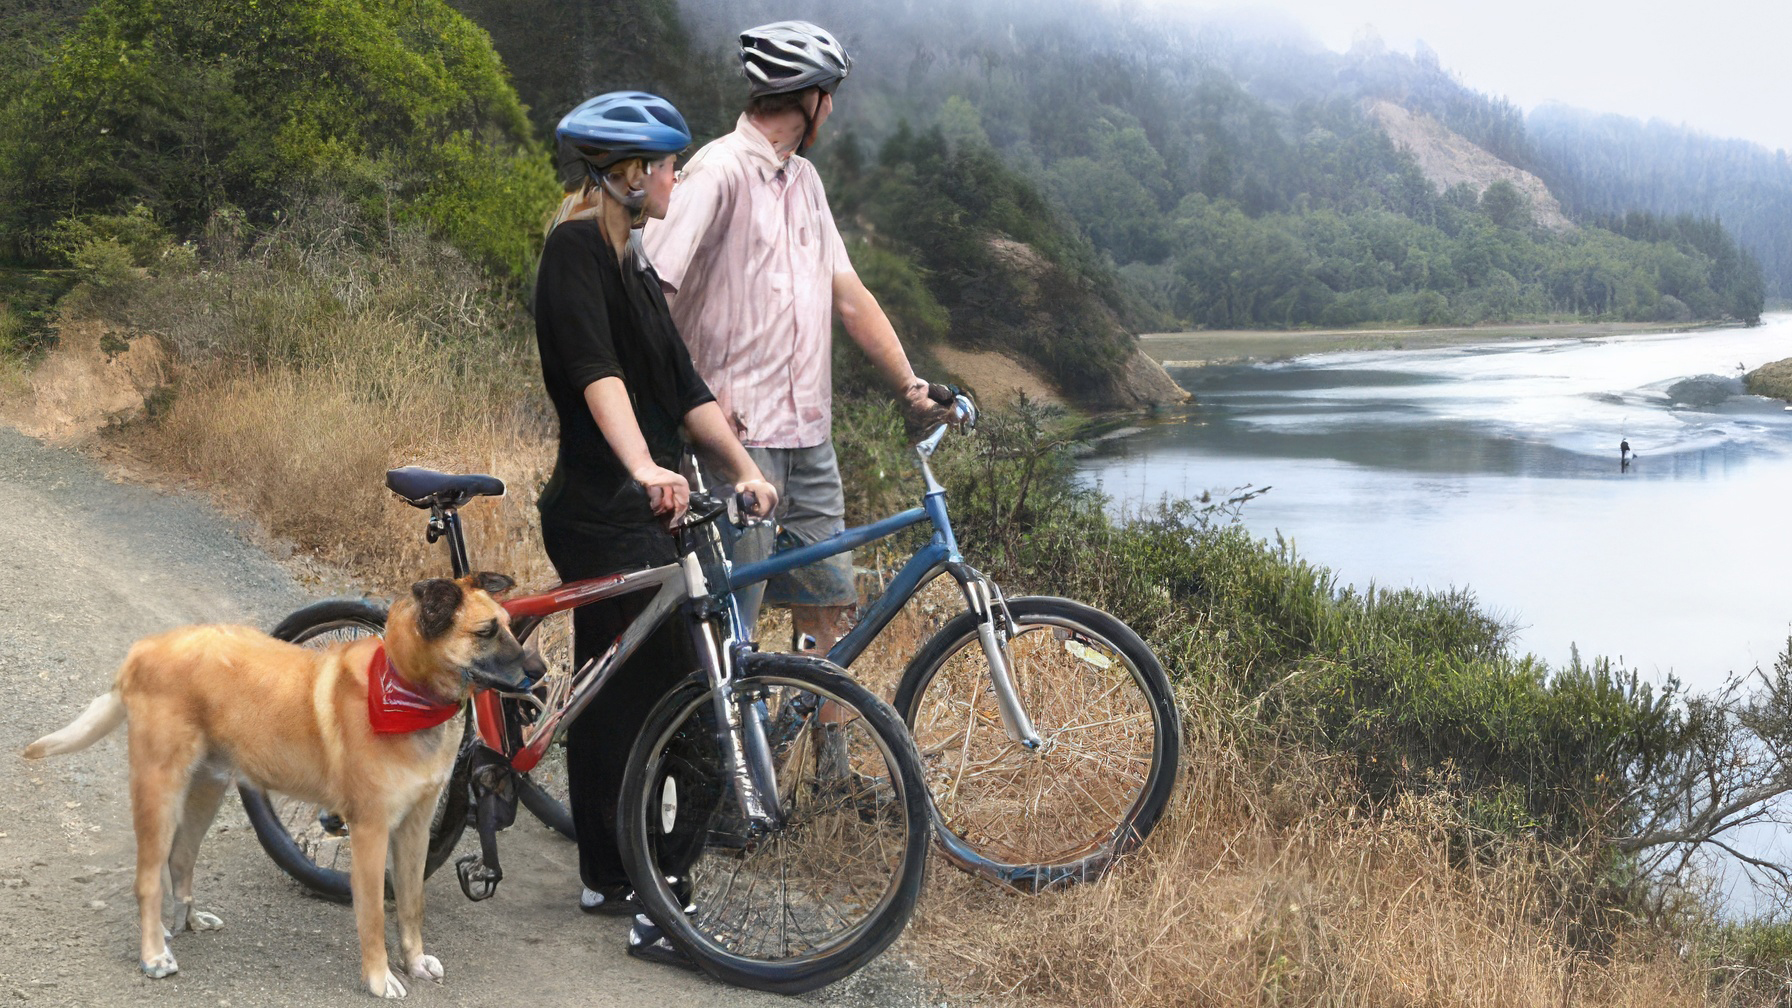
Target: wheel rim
(1067, 802)
(806, 888)
(552, 638)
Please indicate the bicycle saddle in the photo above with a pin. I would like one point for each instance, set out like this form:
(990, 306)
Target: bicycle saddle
(427, 488)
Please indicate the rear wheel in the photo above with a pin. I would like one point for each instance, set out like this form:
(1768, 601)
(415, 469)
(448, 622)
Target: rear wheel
(1093, 789)
(791, 907)
(301, 836)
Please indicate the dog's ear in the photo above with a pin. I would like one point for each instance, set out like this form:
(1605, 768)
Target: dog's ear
(437, 599)
(491, 583)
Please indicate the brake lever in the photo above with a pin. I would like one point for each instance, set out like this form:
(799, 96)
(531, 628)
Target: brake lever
(740, 511)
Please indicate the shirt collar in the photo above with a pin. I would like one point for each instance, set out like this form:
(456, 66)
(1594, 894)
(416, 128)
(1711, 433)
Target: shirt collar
(758, 150)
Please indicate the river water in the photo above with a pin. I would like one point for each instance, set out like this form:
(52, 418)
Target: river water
(1497, 468)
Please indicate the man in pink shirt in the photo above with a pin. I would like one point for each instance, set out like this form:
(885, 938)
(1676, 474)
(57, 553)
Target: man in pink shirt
(756, 272)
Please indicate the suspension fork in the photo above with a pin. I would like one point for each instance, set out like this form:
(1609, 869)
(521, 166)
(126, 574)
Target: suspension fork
(740, 731)
(995, 628)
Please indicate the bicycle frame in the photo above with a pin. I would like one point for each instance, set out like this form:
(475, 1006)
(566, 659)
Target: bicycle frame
(939, 555)
(684, 582)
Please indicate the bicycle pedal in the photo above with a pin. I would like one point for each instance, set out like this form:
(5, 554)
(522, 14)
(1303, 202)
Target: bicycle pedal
(476, 880)
(332, 823)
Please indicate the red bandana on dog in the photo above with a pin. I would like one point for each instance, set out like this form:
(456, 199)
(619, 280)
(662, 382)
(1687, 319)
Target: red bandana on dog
(393, 707)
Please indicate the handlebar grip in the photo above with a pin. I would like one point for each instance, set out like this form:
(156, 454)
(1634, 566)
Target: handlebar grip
(945, 395)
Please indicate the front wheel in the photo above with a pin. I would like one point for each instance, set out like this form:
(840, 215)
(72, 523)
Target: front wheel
(797, 905)
(1110, 740)
(305, 839)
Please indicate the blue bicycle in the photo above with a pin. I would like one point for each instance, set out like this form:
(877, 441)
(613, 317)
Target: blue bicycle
(1047, 730)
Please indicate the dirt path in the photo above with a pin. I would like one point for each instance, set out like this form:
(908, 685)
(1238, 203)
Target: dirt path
(87, 566)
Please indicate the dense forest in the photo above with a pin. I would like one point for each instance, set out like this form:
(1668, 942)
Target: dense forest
(1225, 174)
(1605, 166)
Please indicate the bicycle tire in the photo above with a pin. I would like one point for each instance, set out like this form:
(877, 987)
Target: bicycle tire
(1034, 820)
(544, 805)
(858, 837)
(316, 860)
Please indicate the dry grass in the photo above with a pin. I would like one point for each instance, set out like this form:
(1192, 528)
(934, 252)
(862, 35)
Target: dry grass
(308, 456)
(1252, 893)
(313, 361)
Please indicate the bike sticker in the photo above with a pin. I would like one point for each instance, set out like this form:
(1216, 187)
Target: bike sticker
(1088, 654)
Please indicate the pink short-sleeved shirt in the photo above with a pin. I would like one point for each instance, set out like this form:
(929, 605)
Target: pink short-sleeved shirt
(748, 251)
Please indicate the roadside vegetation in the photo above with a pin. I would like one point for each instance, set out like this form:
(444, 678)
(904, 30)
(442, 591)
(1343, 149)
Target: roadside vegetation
(1382, 803)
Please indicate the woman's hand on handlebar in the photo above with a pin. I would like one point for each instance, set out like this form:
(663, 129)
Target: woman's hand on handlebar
(667, 492)
(760, 496)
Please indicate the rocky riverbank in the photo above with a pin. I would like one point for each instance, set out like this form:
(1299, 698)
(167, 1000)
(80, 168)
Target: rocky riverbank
(1772, 380)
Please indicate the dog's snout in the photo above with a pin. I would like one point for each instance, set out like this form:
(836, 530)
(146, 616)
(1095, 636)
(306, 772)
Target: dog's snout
(510, 666)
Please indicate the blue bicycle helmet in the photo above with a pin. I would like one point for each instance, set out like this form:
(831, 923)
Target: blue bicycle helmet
(620, 125)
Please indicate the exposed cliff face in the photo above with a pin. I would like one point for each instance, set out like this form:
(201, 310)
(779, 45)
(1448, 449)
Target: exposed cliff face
(1046, 294)
(1449, 159)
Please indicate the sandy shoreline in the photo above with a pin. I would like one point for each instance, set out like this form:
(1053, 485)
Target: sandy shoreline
(1213, 346)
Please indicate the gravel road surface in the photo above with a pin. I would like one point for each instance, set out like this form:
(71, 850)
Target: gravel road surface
(88, 565)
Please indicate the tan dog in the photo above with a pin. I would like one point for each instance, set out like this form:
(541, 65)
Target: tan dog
(206, 703)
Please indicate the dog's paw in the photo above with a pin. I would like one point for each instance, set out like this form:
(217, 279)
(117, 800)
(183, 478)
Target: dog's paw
(426, 967)
(200, 920)
(161, 966)
(384, 984)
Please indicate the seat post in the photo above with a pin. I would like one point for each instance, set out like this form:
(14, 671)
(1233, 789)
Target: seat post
(445, 521)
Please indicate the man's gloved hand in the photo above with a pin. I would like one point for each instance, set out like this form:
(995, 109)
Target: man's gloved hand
(920, 407)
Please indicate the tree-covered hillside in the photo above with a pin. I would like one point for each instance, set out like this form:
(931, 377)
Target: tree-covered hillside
(1608, 165)
(1014, 175)
(1225, 167)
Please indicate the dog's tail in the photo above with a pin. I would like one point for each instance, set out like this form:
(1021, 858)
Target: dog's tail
(105, 713)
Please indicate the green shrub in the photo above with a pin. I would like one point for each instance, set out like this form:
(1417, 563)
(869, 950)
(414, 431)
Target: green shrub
(187, 108)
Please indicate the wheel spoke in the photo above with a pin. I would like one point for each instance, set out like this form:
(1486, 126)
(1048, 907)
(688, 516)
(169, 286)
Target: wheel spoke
(1091, 702)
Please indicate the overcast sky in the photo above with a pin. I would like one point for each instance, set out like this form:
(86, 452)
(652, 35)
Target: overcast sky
(1720, 66)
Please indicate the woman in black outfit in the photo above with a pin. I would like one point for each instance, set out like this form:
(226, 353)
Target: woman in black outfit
(626, 395)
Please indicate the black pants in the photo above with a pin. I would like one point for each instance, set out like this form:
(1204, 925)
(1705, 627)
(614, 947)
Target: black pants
(598, 743)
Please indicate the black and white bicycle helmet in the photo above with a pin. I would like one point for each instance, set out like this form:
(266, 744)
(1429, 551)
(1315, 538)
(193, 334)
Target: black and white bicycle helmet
(787, 56)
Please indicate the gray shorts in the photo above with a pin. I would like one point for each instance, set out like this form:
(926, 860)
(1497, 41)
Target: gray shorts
(811, 507)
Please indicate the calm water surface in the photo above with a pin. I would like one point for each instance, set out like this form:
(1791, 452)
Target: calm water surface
(1497, 468)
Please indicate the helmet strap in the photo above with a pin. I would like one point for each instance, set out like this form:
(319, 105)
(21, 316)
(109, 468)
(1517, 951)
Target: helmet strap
(633, 200)
(808, 141)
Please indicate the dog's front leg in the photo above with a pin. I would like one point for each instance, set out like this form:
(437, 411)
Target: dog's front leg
(367, 882)
(410, 848)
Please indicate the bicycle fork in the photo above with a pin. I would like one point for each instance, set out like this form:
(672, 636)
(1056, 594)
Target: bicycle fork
(740, 730)
(995, 628)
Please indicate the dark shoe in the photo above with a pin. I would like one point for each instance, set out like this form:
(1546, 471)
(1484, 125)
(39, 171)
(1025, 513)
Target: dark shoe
(613, 901)
(647, 941)
(871, 800)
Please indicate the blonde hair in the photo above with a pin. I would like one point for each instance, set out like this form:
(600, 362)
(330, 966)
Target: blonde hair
(581, 198)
